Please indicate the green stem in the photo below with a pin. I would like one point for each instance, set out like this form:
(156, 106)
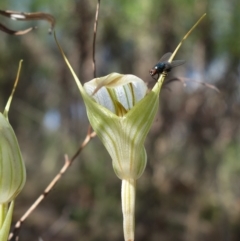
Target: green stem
(3, 211)
(128, 208)
(6, 212)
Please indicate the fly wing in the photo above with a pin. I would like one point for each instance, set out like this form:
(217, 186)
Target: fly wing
(176, 63)
(165, 57)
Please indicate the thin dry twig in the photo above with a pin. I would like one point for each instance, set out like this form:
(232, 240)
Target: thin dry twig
(14, 235)
(184, 80)
(13, 32)
(94, 39)
(21, 16)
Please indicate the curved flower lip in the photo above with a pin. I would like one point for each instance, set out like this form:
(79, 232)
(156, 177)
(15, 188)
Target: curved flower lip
(117, 92)
(113, 80)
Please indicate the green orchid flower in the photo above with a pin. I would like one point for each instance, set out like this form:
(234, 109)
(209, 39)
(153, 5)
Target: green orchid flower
(121, 111)
(12, 169)
(122, 117)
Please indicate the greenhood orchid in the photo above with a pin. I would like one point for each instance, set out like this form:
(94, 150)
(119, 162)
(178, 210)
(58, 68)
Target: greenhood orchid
(116, 115)
(12, 169)
(121, 111)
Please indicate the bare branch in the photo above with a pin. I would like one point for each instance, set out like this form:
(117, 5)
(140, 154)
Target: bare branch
(184, 80)
(94, 39)
(20, 16)
(13, 32)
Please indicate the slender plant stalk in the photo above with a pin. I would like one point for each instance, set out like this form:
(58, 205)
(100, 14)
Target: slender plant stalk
(128, 208)
(94, 39)
(3, 211)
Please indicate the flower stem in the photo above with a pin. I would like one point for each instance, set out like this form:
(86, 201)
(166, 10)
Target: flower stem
(3, 211)
(6, 219)
(128, 208)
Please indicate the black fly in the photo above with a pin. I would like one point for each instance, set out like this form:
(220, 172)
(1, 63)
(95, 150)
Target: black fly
(164, 66)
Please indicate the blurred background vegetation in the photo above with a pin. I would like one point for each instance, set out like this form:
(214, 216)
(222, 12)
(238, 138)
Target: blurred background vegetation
(190, 189)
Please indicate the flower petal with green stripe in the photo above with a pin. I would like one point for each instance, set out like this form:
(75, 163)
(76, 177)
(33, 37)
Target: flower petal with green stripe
(121, 113)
